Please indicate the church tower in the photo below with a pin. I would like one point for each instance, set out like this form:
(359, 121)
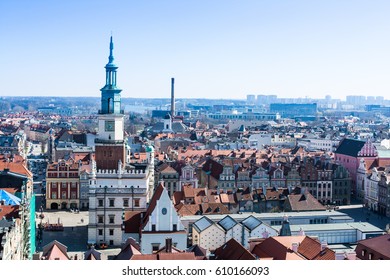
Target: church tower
(109, 143)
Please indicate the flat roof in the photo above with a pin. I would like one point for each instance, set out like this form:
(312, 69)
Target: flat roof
(266, 216)
(361, 226)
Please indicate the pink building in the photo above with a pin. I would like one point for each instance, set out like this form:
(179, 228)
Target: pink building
(350, 152)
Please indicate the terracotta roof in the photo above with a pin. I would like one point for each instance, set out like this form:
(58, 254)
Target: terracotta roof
(188, 191)
(214, 208)
(132, 221)
(311, 250)
(15, 167)
(176, 256)
(9, 211)
(232, 250)
(130, 249)
(177, 197)
(281, 248)
(213, 168)
(83, 156)
(168, 169)
(304, 202)
(55, 250)
(278, 248)
(379, 244)
(92, 254)
(150, 257)
(198, 251)
(188, 209)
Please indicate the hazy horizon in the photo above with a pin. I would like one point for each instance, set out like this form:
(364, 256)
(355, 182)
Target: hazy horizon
(214, 49)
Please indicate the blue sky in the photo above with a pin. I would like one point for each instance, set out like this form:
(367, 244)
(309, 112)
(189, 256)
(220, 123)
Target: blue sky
(213, 48)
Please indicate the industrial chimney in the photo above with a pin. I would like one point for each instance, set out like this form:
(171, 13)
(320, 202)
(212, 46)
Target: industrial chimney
(172, 97)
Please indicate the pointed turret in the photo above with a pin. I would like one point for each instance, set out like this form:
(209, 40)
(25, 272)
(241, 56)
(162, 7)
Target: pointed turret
(111, 98)
(111, 57)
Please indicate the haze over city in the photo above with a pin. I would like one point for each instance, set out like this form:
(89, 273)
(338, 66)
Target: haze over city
(214, 49)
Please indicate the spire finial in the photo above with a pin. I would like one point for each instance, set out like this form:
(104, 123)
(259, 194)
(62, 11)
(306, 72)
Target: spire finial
(111, 57)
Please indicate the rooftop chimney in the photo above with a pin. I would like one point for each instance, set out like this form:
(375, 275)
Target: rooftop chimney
(168, 245)
(294, 247)
(324, 245)
(340, 255)
(172, 97)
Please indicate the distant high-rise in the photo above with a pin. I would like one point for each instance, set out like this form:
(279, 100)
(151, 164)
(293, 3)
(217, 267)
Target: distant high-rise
(266, 99)
(294, 110)
(250, 99)
(356, 99)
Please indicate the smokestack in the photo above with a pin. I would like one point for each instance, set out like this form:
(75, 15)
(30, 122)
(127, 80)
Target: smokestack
(172, 97)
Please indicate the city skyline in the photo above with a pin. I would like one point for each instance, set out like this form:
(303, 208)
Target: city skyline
(218, 50)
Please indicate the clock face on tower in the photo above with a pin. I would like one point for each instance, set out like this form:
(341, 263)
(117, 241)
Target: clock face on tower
(109, 126)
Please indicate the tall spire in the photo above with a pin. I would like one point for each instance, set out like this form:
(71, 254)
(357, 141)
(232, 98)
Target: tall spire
(111, 99)
(111, 57)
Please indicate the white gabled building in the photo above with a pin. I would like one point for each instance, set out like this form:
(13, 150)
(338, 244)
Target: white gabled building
(160, 222)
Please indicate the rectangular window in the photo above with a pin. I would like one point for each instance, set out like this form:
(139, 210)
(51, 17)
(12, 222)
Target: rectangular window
(100, 232)
(155, 247)
(136, 202)
(100, 202)
(73, 195)
(111, 242)
(100, 219)
(125, 202)
(63, 195)
(111, 218)
(153, 227)
(174, 227)
(111, 202)
(54, 195)
(111, 231)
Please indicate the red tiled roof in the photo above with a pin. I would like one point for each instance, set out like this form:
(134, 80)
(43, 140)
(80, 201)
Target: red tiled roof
(311, 250)
(129, 250)
(166, 256)
(379, 244)
(15, 167)
(187, 209)
(273, 247)
(9, 211)
(132, 221)
(232, 250)
(55, 250)
(304, 202)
